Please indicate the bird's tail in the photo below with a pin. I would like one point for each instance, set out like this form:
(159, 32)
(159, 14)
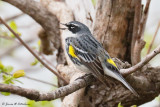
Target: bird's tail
(127, 85)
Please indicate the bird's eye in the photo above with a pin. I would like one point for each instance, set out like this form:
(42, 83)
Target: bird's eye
(72, 27)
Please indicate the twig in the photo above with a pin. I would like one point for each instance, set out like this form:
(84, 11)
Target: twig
(44, 58)
(38, 80)
(142, 63)
(143, 20)
(150, 46)
(13, 47)
(14, 17)
(30, 50)
(37, 96)
(34, 79)
(7, 37)
(90, 17)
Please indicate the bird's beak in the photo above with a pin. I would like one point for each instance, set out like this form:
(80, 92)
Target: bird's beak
(64, 25)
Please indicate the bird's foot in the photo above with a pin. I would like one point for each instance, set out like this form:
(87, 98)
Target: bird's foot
(84, 76)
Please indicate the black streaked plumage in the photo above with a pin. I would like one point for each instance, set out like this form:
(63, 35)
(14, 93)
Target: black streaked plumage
(90, 53)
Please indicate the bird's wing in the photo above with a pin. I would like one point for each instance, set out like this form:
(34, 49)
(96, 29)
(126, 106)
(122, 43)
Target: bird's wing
(109, 63)
(85, 52)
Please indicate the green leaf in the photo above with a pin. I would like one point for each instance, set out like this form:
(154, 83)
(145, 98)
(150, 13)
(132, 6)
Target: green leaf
(119, 105)
(1, 65)
(1, 70)
(35, 62)
(5, 93)
(1, 2)
(39, 43)
(7, 79)
(94, 2)
(8, 69)
(32, 103)
(19, 73)
(14, 27)
(158, 98)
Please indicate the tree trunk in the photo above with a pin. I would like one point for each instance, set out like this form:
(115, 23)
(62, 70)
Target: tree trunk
(113, 26)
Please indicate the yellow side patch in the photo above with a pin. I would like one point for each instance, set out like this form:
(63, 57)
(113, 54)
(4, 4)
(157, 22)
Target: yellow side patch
(111, 62)
(72, 52)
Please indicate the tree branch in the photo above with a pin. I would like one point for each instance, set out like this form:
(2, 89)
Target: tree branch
(13, 47)
(137, 18)
(30, 50)
(142, 83)
(143, 20)
(46, 19)
(33, 79)
(14, 17)
(140, 43)
(73, 99)
(7, 37)
(142, 63)
(65, 15)
(38, 80)
(37, 96)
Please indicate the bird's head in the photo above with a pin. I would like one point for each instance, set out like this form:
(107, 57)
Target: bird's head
(76, 28)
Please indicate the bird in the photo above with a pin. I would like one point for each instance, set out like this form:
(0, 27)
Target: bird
(88, 55)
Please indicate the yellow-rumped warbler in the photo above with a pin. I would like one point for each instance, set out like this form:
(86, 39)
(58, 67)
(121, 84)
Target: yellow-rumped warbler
(89, 55)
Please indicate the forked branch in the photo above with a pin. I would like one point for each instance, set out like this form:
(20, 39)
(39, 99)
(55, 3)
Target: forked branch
(37, 96)
(142, 63)
(140, 43)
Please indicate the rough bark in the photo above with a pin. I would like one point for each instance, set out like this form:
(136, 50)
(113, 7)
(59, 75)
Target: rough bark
(137, 18)
(83, 11)
(146, 84)
(140, 43)
(72, 100)
(112, 24)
